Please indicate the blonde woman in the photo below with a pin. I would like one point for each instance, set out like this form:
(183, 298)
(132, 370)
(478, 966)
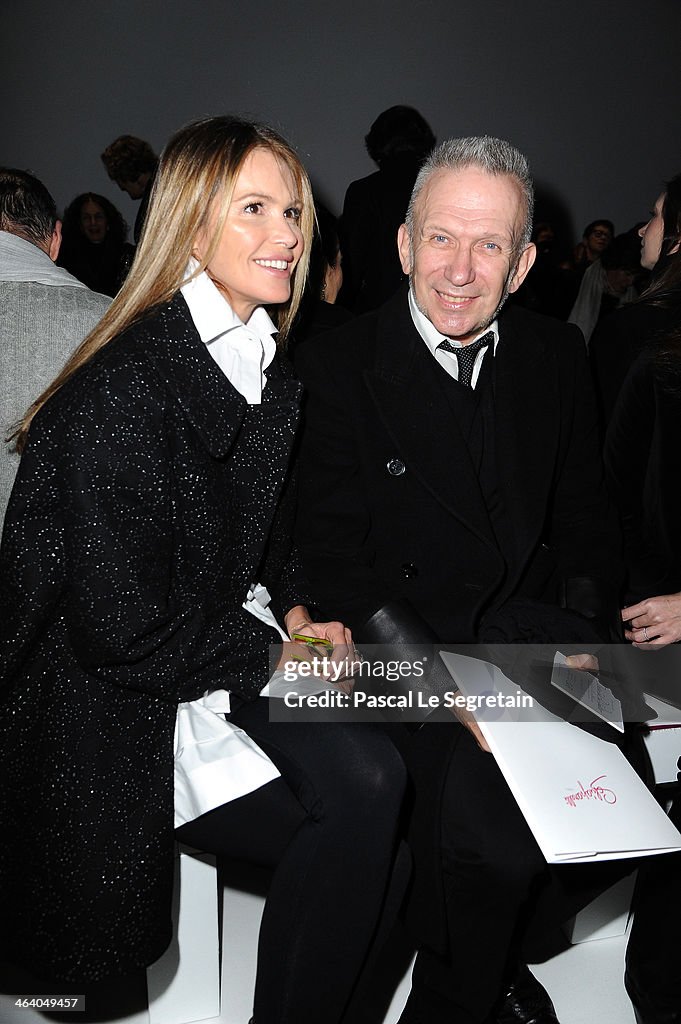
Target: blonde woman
(150, 518)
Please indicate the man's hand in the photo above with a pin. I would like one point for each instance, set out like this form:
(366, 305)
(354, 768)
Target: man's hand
(467, 719)
(582, 662)
(653, 623)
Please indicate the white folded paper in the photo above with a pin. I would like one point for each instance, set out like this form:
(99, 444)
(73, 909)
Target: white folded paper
(579, 794)
(588, 691)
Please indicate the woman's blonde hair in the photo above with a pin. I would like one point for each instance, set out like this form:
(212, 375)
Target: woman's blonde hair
(196, 176)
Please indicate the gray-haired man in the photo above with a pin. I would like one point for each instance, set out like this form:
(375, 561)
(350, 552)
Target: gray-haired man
(451, 488)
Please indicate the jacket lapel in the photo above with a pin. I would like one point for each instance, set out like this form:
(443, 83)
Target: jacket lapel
(415, 412)
(527, 408)
(213, 406)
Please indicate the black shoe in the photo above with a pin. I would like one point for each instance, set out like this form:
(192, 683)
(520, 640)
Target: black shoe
(525, 1002)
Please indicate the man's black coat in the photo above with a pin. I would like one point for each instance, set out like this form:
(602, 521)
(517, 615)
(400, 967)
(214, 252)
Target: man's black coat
(391, 506)
(390, 502)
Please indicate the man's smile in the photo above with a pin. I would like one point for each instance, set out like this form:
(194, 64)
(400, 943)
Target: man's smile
(455, 301)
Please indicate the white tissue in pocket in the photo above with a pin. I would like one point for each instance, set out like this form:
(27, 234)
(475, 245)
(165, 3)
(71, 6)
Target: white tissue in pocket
(215, 761)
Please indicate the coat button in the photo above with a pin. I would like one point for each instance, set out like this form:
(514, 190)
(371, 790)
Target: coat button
(409, 570)
(396, 467)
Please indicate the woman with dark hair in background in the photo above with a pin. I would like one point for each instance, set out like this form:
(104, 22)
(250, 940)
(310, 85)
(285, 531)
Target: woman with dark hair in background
(398, 141)
(643, 465)
(319, 310)
(94, 247)
(618, 339)
(642, 441)
(146, 565)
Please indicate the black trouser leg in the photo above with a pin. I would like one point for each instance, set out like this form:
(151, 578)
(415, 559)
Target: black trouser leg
(328, 887)
(491, 864)
(653, 961)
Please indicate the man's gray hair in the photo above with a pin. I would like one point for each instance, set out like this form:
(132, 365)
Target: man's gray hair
(494, 156)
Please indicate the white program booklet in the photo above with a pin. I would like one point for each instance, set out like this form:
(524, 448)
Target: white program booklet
(579, 794)
(588, 691)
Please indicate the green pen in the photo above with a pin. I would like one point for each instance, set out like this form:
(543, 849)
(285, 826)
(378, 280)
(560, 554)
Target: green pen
(313, 642)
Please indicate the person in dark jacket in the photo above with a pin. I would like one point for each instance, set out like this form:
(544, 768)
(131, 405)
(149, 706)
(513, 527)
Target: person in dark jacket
(643, 463)
(374, 207)
(452, 443)
(638, 368)
(151, 515)
(132, 163)
(319, 310)
(618, 339)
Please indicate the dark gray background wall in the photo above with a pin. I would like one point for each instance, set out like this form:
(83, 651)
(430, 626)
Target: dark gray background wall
(589, 90)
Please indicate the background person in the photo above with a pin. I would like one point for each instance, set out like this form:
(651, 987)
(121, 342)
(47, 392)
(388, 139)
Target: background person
(319, 310)
(643, 411)
(644, 473)
(132, 163)
(44, 311)
(607, 284)
(94, 247)
(618, 339)
(374, 207)
(596, 239)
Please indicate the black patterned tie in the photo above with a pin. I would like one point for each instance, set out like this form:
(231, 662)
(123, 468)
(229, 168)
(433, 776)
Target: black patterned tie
(466, 356)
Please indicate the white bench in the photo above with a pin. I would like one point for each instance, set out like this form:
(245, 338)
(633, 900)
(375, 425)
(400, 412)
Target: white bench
(184, 985)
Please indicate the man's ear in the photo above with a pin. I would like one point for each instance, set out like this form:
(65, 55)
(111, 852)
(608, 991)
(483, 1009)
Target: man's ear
(404, 248)
(523, 267)
(55, 242)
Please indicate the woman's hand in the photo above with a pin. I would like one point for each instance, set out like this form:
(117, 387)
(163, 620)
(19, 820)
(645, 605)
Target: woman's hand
(298, 620)
(654, 622)
(342, 650)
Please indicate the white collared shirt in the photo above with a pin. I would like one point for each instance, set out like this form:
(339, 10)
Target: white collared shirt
(216, 762)
(242, 351)
(433, 339)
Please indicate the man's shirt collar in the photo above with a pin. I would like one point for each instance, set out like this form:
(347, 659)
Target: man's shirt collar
(432, 337)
